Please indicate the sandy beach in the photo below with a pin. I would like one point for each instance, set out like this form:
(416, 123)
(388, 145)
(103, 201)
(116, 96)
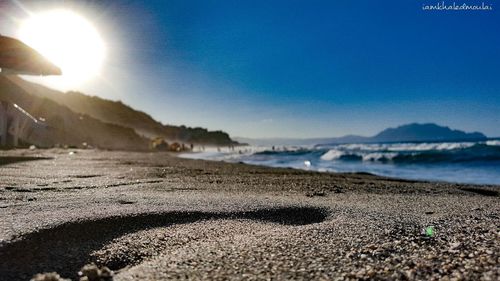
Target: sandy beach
(153, 216)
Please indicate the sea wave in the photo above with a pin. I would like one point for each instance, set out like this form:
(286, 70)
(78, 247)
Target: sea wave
(408, 146)
(397, 153)
(466, 162)
(451, 161)
(410, 153)
(332, 154)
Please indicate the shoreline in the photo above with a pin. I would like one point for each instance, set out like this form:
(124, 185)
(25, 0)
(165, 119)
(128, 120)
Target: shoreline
(422, 180)
(150, 208)
(454, 162)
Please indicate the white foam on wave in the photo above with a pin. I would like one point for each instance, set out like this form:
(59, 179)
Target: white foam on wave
(332, 154)
(493, 142)
(384, 151)
(407, 146)
(361, 147)
(430, 146)
(377, 156)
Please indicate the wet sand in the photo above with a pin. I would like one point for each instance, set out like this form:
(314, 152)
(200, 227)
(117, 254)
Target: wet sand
(152, 216)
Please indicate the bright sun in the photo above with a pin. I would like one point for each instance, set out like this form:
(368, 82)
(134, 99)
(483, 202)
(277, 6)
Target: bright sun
(69, 41)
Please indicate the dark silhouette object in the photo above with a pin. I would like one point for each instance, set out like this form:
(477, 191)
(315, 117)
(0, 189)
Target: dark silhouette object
(18, 58)
(14, 121)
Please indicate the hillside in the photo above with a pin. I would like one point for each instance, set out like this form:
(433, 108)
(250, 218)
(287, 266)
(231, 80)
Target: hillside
(66, 127)
(115, 112)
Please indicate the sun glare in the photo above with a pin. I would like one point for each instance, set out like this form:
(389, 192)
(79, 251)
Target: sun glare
(69, 41)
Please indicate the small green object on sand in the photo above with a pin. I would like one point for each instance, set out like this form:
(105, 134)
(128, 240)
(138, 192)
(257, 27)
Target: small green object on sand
(429, 231)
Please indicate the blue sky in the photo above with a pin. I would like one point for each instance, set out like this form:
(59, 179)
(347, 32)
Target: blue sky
(299, 68)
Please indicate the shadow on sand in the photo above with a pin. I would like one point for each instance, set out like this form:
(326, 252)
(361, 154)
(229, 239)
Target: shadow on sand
(5, 160)
(67, 247)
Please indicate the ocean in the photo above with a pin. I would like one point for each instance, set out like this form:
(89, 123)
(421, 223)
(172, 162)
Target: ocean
(458, 162)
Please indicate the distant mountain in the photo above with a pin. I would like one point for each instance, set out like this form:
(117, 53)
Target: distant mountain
(425, 132)
(115, 112)
(406, 133)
